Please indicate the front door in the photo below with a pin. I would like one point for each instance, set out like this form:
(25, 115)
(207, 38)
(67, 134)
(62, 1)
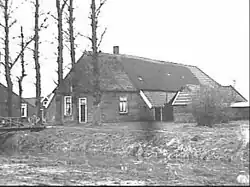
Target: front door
(158, 114)
(82, 110)
(167, 113)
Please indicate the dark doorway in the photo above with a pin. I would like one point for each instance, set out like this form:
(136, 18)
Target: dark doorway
(167, 113)
(158, 114)
(82, 110)
(59, 111)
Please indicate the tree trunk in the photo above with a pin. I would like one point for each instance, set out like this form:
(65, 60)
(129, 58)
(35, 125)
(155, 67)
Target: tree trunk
(60, 43)
(20, 97)
(20, 79)
(59, 60)
(71, 33)
(6, 59)
(73, 61)
(96, 72)
(37, 64)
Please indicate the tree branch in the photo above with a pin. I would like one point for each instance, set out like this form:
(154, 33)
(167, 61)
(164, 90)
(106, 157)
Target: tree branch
(28, 42)
(1, 25)
(12, 23)
(63, 5)
(53, 17)
(65, 45)
(1, 4)
(98, 10)
(101, 38)
(33, 2)
(66, 32)
(18, 56)
(55, 81)
(86, 37)
(43, 24)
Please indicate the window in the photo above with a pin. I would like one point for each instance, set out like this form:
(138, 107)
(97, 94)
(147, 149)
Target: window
(123, 106)
(83, 110)
(45, 103)
(140, 78)
(67, 106)
(43, 114)
(24, 110)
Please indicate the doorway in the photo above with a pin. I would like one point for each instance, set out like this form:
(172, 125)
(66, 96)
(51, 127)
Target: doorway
(167, 113)
(83, 110)
(158, 113)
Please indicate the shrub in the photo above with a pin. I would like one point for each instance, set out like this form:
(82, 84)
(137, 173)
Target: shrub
(210, 106)
(8, 143)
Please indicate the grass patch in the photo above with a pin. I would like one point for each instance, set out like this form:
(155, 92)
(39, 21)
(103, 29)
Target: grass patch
(173, 154)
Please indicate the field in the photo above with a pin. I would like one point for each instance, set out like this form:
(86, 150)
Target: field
(126, 154)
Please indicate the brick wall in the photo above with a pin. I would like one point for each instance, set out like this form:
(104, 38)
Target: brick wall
(137, 109)
(109, 106)
(15, 104)
(182, 115)
(50, 112)
(240, 113)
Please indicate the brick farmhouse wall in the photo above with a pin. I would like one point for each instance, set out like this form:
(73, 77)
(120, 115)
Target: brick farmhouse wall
(241, 113)
(3, 103)
(137, 109)
(109, 107)
(50, 112)
(15, 104)
(181, 114)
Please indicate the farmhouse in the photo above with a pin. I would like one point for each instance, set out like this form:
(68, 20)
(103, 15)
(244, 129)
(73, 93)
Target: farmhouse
(44, 103)
(240, 110)
(134, 89)
(27, 108)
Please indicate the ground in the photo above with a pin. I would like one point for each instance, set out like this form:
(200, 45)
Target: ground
(127, 154)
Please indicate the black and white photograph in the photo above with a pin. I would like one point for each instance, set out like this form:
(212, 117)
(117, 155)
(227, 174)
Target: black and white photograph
(124, 92)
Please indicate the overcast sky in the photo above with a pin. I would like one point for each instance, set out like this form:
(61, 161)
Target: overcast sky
(210, 34)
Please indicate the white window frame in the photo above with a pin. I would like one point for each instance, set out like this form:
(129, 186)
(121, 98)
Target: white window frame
(65, 105)
(24, 107)
(43, 115)
(123, 105)
(84, 100)
(45, 103)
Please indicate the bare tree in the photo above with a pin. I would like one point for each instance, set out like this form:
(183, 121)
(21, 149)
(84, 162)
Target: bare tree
(97, 94)
(59, 19)
(71, 33)
(37, 63)
(70, 21)
(20, 79)
(36, 38)
(6, 6)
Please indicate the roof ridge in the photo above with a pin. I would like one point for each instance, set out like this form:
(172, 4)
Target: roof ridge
(148, 59)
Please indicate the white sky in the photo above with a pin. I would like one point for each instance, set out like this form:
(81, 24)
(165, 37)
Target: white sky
(211, 34)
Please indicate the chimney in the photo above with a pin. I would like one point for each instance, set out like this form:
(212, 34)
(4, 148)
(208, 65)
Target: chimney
(234, 83)
(116, 50)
